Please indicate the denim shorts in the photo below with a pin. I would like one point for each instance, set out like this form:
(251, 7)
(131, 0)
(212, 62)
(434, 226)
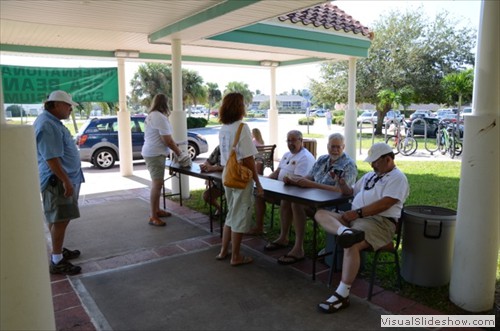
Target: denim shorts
(57, 207)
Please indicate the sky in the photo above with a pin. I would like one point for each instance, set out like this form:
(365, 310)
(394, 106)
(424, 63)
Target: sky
(367, 12)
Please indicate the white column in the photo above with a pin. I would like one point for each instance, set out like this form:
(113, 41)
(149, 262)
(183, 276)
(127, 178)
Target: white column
(3, 118)
(473, 273)
(178, 115)
(124, 132)
(273, 111)
(26, 297)
(350, 114)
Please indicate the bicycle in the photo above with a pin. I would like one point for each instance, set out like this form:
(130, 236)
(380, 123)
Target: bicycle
(406, 145)
(447, 140)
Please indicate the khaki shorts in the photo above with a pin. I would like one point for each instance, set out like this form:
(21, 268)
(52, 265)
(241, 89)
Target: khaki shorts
(156, 166)
(57, 207)
(378, 230)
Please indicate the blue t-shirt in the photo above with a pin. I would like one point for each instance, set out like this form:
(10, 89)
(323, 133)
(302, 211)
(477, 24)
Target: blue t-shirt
(53, 140)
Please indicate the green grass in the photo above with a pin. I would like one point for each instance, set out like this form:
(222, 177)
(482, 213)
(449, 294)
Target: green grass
(431, 183)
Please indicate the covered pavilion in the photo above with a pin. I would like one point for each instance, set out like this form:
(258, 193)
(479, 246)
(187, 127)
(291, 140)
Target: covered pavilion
(237, 33)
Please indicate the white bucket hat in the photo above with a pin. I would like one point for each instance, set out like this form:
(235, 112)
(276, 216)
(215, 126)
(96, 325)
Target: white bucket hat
(377, 150)
(61, 96)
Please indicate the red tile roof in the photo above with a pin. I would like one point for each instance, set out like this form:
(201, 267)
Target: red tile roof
(330, 17)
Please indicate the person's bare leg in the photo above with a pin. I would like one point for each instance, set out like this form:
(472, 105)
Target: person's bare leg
(286, 222)
(154, 196)
(260, 210)
(299, 223)
(226, 239)
(236, 257)
(328, 220)
(57, 233)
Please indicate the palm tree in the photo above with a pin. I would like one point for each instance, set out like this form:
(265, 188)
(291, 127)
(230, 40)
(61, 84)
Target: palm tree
(193, 91)
(459, 85)
(214, 96)
(242, 88)
(404, 97)
(153, 78)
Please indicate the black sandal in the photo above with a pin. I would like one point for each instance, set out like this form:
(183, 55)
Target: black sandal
(350, 237)
(344, 303)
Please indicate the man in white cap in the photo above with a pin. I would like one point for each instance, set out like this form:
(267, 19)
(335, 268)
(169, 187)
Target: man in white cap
(378, 201)
(60, 174)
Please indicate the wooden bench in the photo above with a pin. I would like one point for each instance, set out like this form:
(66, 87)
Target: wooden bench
(266, 156)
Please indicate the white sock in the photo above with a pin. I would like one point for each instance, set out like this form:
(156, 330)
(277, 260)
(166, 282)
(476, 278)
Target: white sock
(342, 228)
(343, 290)
(56, 258)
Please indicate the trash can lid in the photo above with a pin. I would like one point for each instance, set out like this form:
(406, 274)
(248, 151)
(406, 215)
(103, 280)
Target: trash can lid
(435, 212)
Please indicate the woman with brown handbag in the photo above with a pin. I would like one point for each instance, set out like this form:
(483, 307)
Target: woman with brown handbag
(235, 135)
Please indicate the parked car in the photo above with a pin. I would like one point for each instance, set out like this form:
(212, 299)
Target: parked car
(393, 116)
(420, 113)
(440, 113)
(368, 115)
(466, 111)
(319, 113)
(97, 141)
(450, 118)
(432, 127)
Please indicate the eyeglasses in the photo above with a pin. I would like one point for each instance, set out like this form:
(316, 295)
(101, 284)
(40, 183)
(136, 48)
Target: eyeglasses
(336, 146)
(292, 140)
(370, 183)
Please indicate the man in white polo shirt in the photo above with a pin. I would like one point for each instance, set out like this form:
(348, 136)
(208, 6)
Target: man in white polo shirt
(297, 161)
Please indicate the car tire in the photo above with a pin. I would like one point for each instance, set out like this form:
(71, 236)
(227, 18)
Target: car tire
(192, 150)
(104, 158)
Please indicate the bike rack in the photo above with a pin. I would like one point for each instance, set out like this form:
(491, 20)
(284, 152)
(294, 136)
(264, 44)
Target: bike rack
(361, 133)
(425, 134)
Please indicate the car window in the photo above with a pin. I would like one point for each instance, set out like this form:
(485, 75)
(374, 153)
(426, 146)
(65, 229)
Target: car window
(115, 126)
(105, 127)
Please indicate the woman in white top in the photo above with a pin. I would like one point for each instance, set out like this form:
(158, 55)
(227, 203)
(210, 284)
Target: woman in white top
(239, 201)
(157, 145)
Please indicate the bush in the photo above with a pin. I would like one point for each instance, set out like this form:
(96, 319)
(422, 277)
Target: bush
(196, 122)
(303, 121)
(339, 120)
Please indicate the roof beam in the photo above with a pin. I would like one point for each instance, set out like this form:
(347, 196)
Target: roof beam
(275, 36)
(213, 12)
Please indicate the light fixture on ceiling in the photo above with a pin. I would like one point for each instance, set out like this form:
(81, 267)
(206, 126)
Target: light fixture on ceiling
(126, 53)
(268, 63)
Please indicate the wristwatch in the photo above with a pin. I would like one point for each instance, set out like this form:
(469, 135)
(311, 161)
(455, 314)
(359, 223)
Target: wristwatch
(360, 212)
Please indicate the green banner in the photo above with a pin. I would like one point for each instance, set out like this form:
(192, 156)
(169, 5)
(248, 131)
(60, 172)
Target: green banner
(25, 85)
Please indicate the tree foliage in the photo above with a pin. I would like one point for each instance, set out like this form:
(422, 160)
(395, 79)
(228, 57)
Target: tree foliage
(214, 95)
(409, 52)
(242, 88)
(458, 87)
(153, 78)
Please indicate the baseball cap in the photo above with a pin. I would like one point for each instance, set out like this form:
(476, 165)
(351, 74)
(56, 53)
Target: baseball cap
(377, 150)
(61, 96)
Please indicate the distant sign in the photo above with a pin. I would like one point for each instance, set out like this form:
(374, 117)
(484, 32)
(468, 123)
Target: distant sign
(25, 85)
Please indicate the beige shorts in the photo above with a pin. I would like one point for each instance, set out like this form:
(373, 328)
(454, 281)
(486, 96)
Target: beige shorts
(156, 166)
(378, 230)
(240, 206)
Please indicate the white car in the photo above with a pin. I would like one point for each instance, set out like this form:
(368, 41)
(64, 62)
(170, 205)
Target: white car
(368, 115)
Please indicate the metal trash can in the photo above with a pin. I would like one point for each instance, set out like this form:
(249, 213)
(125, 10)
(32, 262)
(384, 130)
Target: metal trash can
(428, 234)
